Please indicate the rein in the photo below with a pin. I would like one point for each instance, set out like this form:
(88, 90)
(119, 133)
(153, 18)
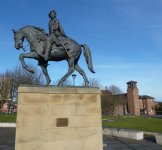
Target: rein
(32, 42)
(24, 48)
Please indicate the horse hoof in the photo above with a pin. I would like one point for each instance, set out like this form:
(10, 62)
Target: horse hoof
(47, 84)
(86, 84)
(60, 84)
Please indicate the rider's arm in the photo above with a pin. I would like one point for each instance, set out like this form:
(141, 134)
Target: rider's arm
(61, 29)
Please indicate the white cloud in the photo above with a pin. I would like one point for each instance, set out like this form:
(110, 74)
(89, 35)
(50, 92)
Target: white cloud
(127, 66)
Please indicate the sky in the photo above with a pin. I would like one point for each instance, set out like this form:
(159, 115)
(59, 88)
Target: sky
(124, 36)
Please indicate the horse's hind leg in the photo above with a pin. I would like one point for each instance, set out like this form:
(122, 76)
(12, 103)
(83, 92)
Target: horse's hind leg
(43, 65)
(81, 71)
(70, 71)
(27, 55)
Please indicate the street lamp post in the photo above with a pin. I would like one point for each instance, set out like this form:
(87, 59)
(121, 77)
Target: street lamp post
(73, 76)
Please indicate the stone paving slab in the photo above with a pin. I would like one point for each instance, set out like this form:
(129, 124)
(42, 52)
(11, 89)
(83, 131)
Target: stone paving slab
(7, 142)
(114, 143)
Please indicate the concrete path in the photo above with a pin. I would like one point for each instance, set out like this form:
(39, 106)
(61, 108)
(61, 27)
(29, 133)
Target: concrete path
(7, 138)
(7, 142)
(114, 143)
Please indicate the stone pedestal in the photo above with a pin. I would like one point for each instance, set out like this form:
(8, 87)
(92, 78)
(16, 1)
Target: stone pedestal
(58, 118)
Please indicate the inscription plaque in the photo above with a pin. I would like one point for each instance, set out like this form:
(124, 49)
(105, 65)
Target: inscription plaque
(61, 122)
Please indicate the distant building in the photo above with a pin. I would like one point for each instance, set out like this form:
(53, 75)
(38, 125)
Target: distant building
(147, 105)
(128, 103)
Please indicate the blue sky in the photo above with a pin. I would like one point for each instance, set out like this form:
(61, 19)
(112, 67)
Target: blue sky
(125, 38)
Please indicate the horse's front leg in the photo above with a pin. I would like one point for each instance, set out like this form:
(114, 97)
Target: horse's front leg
(43, 64)
(70, 71)
(31, 55)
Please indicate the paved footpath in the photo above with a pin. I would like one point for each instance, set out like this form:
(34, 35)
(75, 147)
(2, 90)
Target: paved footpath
(114, 143)
(7, 142)
(7, 138)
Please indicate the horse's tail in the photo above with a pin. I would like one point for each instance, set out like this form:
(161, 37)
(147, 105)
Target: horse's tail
(88, 57)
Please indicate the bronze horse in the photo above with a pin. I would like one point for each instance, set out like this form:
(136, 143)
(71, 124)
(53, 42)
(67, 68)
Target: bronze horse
(36, 37)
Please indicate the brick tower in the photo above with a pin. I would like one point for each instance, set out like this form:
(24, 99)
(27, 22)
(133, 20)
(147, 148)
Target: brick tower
(133, 98)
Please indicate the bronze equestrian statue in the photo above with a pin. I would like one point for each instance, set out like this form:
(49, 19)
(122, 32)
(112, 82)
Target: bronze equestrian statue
(55, 46)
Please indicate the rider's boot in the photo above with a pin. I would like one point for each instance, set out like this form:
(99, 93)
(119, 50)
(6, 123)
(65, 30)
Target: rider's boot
(40, 54)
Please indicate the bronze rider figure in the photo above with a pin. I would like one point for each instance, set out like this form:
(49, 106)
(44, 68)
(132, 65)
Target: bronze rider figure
(56, 33)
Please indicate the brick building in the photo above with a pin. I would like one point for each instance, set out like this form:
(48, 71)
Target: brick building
(8, 106)
(147, 105)
(128, 103)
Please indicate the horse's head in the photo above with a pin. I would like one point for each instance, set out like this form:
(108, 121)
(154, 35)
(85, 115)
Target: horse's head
(19, 39)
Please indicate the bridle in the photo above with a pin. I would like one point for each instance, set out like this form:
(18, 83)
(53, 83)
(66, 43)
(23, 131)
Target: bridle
(32, 41)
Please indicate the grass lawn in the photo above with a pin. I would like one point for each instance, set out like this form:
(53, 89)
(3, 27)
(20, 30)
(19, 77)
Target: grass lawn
(135, 123)
(7, 117)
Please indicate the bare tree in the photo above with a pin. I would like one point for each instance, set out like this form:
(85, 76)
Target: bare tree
(115, 90)
(115, 98)
(158, 108)
(21, 76)
(67, 82)
(5, 86)
(12, 79)
(106, 100)
(6, 83)
(93, 83)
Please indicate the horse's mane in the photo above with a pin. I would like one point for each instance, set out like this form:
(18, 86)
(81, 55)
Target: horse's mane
(37, 28)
